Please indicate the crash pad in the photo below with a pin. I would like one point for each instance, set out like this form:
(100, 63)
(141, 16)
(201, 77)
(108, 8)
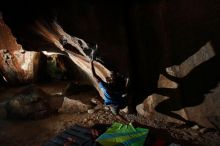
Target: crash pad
(123, 134)
(74, 136)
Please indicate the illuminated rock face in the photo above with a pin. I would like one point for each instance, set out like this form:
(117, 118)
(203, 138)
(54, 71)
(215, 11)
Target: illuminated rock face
(189, 90)
(16, 65)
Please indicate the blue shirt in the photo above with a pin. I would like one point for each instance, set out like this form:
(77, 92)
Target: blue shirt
(110, 96)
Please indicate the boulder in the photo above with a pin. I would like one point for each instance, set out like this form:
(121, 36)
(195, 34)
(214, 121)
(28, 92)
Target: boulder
(73, 106)
(32, 103)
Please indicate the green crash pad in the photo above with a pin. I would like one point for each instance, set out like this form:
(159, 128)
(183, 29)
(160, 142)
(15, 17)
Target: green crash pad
(123, 135)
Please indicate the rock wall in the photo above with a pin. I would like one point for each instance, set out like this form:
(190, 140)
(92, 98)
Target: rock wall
(149, 41)
(189, 90)
(16, 65)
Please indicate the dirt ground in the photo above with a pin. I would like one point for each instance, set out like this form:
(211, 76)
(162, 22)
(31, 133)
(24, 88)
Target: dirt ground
(36, 132)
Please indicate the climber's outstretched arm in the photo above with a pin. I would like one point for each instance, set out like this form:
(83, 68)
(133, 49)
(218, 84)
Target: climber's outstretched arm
(97, 78)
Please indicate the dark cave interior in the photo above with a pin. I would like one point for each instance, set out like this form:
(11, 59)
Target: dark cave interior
(165, 48)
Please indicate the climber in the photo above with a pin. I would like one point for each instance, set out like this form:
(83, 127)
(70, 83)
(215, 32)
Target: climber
(94, 54)
(114, 90)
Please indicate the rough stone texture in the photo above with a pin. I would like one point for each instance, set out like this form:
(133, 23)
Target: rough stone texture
(77, 101)
(204, 54)
(40, 101)
(16, 65)
(73, 106)
(32, 102)
(201, 112)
